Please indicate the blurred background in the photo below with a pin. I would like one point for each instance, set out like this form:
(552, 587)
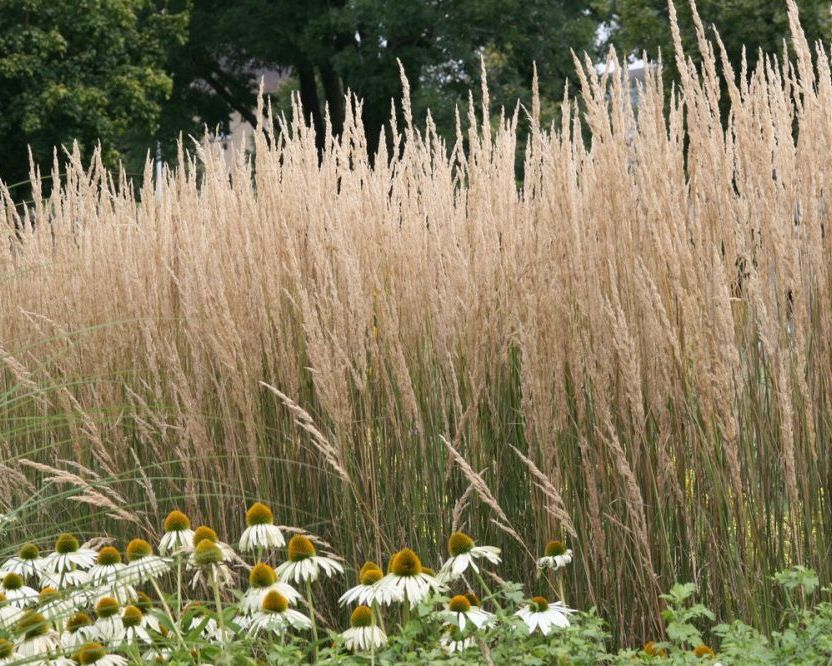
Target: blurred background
(134, 74)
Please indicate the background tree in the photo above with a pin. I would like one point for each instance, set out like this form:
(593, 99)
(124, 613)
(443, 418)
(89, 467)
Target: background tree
(86, 70)
(330, 46)
(644, 25)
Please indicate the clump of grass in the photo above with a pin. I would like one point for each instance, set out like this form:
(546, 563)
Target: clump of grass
(645, 321)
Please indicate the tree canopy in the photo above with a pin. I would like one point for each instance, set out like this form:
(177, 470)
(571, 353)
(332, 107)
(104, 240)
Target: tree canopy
(130, 72)
(86, 70)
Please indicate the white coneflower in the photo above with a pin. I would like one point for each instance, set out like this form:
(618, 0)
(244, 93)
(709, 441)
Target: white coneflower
(260, 532)
(363, 635)
(304, 564)
(9, 612)
(65, 579)
(36, 638)
(208, 561)
(157, 655)
(197, 616)
(142, 565)
(463, 555)
(202, 533)
(28, 562)
(557, 555)
(407, 579)
(68, 556)
(56, 606)
(462, 613)
(17, 592)
(135, 627)
(95, 653)
(540, 614)
(275, 615)
(145, 604)
(262, 579)
(108, 573)
(78, 630)
(7, 655)
(369, 589)
(453, 640)
(178, 534)
(108, 626)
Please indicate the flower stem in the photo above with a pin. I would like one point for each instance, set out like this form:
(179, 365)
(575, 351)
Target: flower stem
(166, 608)
(312, 619)
(179, 587)
(377, 610)
(215, 583)
(372, 641)
(487, 590)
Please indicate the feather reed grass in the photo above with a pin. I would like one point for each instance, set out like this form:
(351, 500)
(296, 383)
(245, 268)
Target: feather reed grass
(631, 348)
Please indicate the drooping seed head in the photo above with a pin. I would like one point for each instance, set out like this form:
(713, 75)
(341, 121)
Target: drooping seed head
(90, 653)
(473, 599)
(6, 648)
(66, 543)
(132, 616)
(202, 533)
(459, 543)
(454, 632)
(262, 575)
(651, 650)
(207, 553)
(177, 521)
(367, 565)
(32, 625)
(362, 616)
(406, 563)
(371, 576)
(13, 581)
(554, 548)
(274, 602)
(137, 549)
(77, 621)
(108, 556)
(540, 604)
(703, 650)
(28, 551)
(459, 604)
(106, 607)
(143, 602)
(300, 548)
(259, 514)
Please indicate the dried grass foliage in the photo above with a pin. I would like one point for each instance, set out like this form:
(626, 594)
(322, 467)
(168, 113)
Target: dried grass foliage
(645, 322)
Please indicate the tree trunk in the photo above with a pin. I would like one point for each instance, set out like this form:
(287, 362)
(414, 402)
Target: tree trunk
(334, 96)
(311, 103)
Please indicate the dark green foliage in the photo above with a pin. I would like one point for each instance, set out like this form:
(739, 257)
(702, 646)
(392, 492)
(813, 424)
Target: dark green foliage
(85, 70)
